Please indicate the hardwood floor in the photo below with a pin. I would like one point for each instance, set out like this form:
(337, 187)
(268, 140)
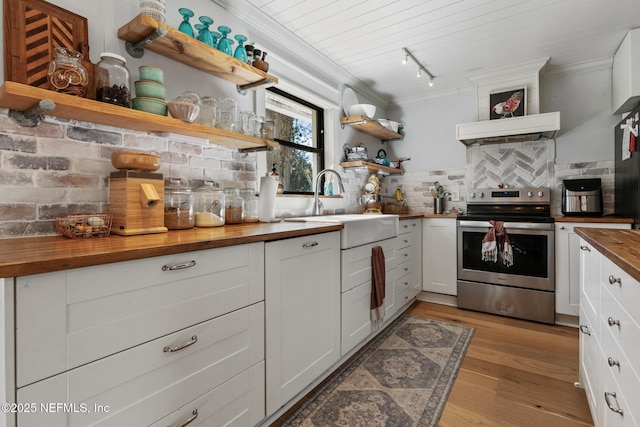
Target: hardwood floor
(515, 373)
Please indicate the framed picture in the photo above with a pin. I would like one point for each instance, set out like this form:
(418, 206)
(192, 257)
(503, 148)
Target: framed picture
(508, 103)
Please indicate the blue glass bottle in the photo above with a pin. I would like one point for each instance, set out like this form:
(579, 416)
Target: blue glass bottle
(185, 27)
(223, 44)
(240, 52)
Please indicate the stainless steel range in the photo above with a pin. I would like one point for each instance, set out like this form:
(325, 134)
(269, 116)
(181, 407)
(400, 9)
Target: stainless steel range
(521, 285)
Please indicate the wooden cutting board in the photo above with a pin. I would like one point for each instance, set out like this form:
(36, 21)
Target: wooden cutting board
(32, 29)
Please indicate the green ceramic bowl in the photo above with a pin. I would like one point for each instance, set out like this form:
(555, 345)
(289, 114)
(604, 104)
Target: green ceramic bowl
(151, 73)
(150, 105)
(150, 89)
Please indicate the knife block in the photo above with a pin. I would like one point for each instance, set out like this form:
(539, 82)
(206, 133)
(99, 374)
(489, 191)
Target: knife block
(136, 200)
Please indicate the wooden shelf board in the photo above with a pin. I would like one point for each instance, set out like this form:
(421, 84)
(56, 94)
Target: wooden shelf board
(372, 167)
(370, 126)
(22, 97)
(187, 50)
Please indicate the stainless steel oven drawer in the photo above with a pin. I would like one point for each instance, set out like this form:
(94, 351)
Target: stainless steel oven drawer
(508, 301)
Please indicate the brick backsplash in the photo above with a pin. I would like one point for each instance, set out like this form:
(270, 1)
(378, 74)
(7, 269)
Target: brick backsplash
(62, 167)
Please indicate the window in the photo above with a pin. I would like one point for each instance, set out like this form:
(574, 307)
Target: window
(299, 129)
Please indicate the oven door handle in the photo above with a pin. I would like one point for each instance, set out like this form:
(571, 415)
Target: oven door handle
(508, 225)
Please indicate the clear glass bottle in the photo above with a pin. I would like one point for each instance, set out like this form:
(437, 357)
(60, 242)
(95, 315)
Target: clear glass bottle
(66, 74)
(234, 206)
(209, 206)
(250, 205)
(113, 80)
(178, 205)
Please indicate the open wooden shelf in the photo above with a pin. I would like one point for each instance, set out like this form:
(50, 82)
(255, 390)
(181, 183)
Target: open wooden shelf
(370, 126)
(18, 96)
(373, 167)
(187, 50)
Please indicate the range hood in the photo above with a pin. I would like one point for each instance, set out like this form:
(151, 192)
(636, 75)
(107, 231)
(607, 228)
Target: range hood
(513, 129)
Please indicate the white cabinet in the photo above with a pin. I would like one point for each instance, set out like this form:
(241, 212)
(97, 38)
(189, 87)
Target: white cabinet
(609, 339)
(356, 291)
(409, 260)
(130, 343)
(568, 264)
(303, 313)
(439, 255)
(625, 73)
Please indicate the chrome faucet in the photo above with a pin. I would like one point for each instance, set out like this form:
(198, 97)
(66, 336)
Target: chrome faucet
(317, 204)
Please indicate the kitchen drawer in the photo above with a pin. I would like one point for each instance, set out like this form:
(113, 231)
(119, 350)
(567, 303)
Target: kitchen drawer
(623, 287)
(404, 282)
(69, 318)
(407, 240)
(404, 297)
(148, 382)
(237, 402)
(590, 362)
(404, 255)
(622, 401)
(587, 312)
(624, 372)
(356, 262)
(409, 226)
(624, 330)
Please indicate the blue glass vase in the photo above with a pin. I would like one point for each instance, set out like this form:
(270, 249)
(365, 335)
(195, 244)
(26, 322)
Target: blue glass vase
(185, 27)
(223, 44)
(216, 36)
(240, 52)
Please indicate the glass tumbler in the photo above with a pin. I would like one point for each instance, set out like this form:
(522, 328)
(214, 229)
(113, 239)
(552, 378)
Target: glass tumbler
(228, 113)
(245, 122)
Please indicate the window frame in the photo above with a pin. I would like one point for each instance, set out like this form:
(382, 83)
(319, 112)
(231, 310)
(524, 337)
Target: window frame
(319, 132)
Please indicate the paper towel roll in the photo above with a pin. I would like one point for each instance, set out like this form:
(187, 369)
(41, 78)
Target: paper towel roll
(267, 199)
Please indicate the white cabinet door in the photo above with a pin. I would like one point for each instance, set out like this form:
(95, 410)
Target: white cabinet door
(302, 297)
(439, 254)
(568, 264)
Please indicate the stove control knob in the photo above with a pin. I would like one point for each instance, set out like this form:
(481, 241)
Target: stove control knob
(540, 193)
(530, 194)
(481, 194)
(472, 195)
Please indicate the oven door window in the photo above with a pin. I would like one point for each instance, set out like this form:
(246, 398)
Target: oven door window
(530, 255)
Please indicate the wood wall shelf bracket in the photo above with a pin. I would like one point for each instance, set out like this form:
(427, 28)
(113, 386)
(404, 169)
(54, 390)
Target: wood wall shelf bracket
(136, 50)
(33, 116)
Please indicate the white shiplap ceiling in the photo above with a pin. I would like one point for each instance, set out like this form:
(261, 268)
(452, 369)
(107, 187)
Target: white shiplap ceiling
(453, 39)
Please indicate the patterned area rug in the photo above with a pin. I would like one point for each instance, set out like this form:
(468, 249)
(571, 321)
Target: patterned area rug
(402, 378)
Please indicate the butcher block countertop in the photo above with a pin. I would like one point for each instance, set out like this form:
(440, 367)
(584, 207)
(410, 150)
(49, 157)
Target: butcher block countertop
(34, 255)
(594, 219)
(620, 246)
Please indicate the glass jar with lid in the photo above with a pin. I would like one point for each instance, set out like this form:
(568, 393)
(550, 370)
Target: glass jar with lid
(113, 80)
(209, 206)
(178, 205)
(234, 206)
(250, 205)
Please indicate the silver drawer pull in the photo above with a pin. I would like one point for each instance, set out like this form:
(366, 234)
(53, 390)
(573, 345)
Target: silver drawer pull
(585, 329)
(585, 248)
(192, 341)
(613, 362)
(606, 398)
(188, 421)
(614, 280)
(613, 322)
(179, 266)
(310, 244)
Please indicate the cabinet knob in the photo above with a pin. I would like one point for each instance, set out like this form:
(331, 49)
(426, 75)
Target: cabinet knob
(562, 227)
(614, 280)
(585, 329)
(613, 322)
(613, 362)
(585, 248)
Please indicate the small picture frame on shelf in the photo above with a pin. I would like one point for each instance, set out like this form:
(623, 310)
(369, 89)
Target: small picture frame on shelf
(508, 103)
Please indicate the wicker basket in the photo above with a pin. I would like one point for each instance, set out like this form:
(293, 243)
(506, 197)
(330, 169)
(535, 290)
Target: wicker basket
(392, 208)
(79, 226)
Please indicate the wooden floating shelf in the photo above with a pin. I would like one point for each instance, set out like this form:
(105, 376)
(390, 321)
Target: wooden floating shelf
(373, 167)
(18, 96)
(370, 126)
(187, 50)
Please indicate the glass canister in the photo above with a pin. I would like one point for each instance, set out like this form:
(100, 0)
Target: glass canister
(250, 205)
(209, 206)
(178, 205)
(234, 206)
(113, 80)
(66, 74)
